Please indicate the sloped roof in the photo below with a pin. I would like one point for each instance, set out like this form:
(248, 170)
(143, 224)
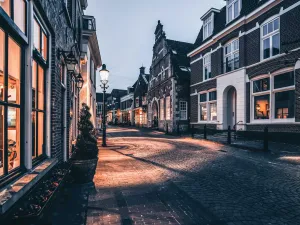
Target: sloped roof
(181, 48)
(220, 19)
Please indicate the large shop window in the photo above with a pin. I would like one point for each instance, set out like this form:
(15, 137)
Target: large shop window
(207, 67)
(168, 108)
(162, 109)
(16, 9)
(270, 32)
(10, 126)
(274, 97)
(208, 106)
(231, 56)
(183, 110)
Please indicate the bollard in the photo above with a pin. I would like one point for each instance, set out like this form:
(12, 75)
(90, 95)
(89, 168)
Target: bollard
(229, 135)
(193, 131)
(167, 129)
(266, 139)
(205, 132)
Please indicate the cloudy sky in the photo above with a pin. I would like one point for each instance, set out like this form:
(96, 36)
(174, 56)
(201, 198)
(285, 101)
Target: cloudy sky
(125, 30)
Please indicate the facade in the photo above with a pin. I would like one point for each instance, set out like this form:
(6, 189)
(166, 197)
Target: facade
(113, 106)
(99, 108)
(140, 99)
(38, 91)
(168, 94)
(127, 107)
(91, 57)
(245, 67)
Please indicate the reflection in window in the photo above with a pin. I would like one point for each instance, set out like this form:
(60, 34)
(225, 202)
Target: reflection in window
(2, 63)
(37, 35)
(13, 137)
(14, 71)
(1, 140)
(262, 107)
(41, 88)
(285, 105)
(203, 112)
(40, 131)
(203, 97)
(284, 80)
(33, 123)
(213, 111)
(20, 14)
(261, 85)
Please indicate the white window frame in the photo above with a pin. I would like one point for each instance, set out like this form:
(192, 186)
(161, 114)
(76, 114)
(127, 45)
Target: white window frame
(207, 103)
(231, 53)
(269, 36)
(208, 23)
(230, 3)
(271, 93)
(207, 64)
(185, 105)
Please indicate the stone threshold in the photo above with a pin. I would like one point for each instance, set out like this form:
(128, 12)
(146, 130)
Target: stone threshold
(12, 192)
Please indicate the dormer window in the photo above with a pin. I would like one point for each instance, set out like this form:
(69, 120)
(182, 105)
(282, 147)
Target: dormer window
(208, 26)
(233, 9)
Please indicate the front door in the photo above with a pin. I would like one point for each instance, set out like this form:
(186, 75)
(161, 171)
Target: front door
(231, 107)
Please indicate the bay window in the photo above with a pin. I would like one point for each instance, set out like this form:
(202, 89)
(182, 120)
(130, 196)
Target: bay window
(270, 33)
(207, 67)
(231, 56)
(16, 9)
(183, 110)
(274, 97)
(233, 9)
(208, 106)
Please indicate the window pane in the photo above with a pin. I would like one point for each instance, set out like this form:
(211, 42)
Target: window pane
(19, 14)
(14, 70)
(34, 90)
(37, 35)
(40, 131)
(6, 6)
(212, 96)
(2, 63)
(266, 47)
(261, 85)
(261, 107)
(229, 13)
(276, 45)
(44, 46)
(284, 80)
(270, 27)
(236, 9)
(13, 138)
(285, 105)
(213, 111)
(203, 112)
(162, 109)
(33, 122)
(276, 24)
(41, 88)
(265, 30)
(168, 108)
(1, 140)
(203, 97)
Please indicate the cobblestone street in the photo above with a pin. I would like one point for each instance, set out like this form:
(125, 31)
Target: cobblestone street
(145, 177)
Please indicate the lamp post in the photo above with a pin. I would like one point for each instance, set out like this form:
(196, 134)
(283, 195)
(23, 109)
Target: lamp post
(104, 74)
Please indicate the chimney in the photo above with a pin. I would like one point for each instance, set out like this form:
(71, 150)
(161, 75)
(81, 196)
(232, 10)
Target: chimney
(142, 70)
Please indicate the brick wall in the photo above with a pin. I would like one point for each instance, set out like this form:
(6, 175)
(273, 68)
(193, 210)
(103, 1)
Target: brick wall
(194, 109)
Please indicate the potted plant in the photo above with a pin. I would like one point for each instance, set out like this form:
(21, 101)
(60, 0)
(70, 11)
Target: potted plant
(85, 157)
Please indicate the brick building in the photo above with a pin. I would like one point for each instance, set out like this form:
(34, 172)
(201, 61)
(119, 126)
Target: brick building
(168, 95)
(114, 105)
(39, 43)
(245, 67)
(127, 106)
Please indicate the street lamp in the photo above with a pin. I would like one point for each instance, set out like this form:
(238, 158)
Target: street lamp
(104, 74)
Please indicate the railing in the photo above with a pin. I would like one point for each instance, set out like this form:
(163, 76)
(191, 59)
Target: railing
(231, 65)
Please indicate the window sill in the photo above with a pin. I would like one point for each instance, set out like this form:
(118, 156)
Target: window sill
(275, 121)
(207, 122)
(12, 192)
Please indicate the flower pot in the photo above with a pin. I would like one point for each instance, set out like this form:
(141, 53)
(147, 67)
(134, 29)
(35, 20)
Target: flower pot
(83, 171)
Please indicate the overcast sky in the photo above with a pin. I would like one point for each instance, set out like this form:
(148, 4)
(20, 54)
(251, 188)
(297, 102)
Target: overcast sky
(125, 30)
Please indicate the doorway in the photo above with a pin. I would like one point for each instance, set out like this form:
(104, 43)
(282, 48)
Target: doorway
(231, 107)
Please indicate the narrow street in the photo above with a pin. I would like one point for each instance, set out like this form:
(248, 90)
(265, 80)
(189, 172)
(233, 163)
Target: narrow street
(146, 177)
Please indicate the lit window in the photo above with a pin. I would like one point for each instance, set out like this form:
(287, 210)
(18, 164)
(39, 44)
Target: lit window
(208, 106)
(279, 90)
(168, 108)
(270, 39)
(162, 109)
(183, 110)
(233, 9)
(208, 26)
(231, 56)
(207, 67)
(40, 41)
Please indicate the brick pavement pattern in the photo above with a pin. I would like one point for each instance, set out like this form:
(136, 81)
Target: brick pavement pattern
(145, 177)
